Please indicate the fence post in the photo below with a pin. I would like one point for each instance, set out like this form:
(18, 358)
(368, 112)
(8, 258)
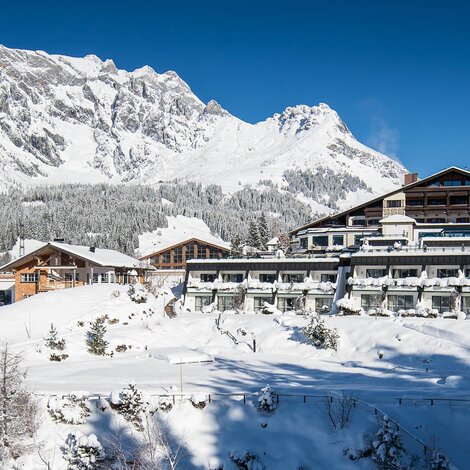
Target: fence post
(244, 398)
(174, 401)
(209, 397)
(305, 399)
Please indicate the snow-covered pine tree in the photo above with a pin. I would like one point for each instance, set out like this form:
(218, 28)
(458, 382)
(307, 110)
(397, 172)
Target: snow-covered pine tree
(439, 461)
(96, 344)
(82, 452)
(387, 448)
(253, 236)
(266, 401)
(18, 409)
(237, 247)
(52, 340)
(263, 231)
(130, 403)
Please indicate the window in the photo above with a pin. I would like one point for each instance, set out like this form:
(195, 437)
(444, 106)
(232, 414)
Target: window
(30, 277)
(446, 272)
(437, 202)
(214, 253)
(297, 277)
(323, 304)
(373, 222)
(233, 277)
(166, 258)
(112, 278)
(96, 278)
(467, 272)
(369, 301)
(202, 301)
(328, 277)
(437, 220)
(178, 255)
(415, 202)
(458, 200)
(201, 251)
(419, 221)
(69, 277)
(207, 277)
(225, 302)
(259, 302)
(375, 273)
(5, 297)
(462, 220)
(394, 203)
(190, 247)
(267, 278)
(402, 273)
(104, 278)
(453, 183)
(400, 302)
(358, 239)
(286, 304)
(320, 240)
(466, 305)
(304, 243)
(358, 222)
(338, 240)
(441, 303)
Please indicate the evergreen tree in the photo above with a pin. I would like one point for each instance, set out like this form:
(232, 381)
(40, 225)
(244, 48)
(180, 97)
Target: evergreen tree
(52, 339)
(387, 447)
(263, 231)
(237, 247)
(96, 344)
(253, 236)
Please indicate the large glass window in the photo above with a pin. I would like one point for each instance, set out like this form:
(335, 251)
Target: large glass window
(415, 202)
(104, 278)
(400, 302)
(202, 301)
(286, 304)
(304, 243)
(441, 303)
(297, 277)
(447, 272)
(69, 277)
(402, 273)
(233, 277)
(338, 240)
(371, 301)
(29, 277)
(323, 304)
(225, 302)
(201, 251)
(166, 258)
(466, 304)
(328, 277)
(206, 277)
(190, 247)
(267, 277)
(178, 255)
(458, 200)
(437, 202)
(394, 203)
(321, 240)
(259, 302)
(214, 253)
(5, 297)
(375, 273)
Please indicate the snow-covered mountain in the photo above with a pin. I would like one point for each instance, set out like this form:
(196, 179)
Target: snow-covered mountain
(65, 119)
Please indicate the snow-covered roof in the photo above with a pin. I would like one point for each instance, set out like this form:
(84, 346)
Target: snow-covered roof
(274, 241)
(179, 230)
(6, 284)
(397, 218)
(100, 256)
(263, 260)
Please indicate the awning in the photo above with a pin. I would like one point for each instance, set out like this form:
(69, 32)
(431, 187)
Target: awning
(5, 285)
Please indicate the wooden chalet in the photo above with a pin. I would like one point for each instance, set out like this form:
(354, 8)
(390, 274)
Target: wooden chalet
(440, 199)
(175, 256)
(57, 265)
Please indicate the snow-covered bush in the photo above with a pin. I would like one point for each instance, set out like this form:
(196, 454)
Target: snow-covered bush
(137, 296)
(58, 357)
(82, 452)
(245, 460)
(131, 404)
(387, 448)
(439, 461)
(52, 340)
(266, 402)
(346, 307)
(70, 409)
(320, 336)
(96, 344)
(199, 400)
(268, 309)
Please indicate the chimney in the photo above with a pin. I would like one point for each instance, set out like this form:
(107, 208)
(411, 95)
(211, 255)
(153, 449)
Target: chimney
(92, 249)
(410, 178)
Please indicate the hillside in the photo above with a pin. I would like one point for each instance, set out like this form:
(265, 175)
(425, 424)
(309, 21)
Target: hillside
(377, 361)
(65, 119)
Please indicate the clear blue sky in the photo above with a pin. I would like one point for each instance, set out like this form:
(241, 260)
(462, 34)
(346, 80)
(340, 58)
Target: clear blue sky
(397, 72)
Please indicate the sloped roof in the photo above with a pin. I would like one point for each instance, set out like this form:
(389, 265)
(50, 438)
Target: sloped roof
(100, 257)
(391, 193)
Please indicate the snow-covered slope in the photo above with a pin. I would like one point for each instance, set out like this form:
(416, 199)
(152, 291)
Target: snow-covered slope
(82, 119)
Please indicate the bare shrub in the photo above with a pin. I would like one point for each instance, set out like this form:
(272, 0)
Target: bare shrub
(338, 409)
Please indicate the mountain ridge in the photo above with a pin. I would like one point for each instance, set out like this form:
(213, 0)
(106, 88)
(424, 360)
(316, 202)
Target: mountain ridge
(66, 119)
